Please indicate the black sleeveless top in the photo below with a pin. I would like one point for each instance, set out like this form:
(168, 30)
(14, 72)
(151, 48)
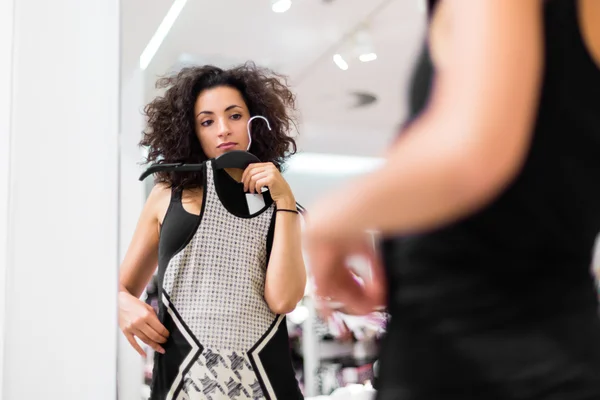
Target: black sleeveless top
(502, 304)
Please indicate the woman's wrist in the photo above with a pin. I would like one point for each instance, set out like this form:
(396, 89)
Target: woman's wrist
(286, 203)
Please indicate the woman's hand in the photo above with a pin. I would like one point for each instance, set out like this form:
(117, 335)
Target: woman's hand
(260, 175)
(328, 253)
(137, 318)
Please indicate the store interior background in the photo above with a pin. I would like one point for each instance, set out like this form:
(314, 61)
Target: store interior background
(348, 61)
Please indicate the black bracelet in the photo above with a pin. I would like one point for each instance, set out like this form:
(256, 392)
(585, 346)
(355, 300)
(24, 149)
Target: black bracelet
(286, 210)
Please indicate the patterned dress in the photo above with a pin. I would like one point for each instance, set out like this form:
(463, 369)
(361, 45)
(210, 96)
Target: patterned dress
(225, 342)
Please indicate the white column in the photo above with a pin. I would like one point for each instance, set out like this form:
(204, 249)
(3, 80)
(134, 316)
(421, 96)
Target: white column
(133, 192)
(61, 282)
(6, 59)
(132, 198)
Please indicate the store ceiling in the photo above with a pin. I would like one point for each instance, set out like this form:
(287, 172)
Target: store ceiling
(299, 43)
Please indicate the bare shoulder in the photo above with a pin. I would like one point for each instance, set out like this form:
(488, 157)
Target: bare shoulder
(158, 200)
(160, 189)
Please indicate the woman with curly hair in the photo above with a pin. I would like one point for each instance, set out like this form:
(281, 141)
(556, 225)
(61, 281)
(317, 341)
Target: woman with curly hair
(230, 264)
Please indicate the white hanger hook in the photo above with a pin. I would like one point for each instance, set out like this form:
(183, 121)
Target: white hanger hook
(248, 126)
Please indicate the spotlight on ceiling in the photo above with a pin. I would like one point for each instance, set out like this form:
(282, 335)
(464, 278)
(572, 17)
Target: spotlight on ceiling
(281, 6)
(366, 57)
(340, 62)
(363, 45)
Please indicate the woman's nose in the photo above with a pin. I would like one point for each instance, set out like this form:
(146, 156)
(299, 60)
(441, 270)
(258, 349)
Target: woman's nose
(224, 127)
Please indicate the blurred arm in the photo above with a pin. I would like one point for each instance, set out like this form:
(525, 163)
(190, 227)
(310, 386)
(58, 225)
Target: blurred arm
(473, 137)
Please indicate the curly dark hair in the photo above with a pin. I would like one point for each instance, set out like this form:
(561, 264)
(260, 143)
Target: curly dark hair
(170, 134)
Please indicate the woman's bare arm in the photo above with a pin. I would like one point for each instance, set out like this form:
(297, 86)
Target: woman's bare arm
(286, 274)
(141, 258)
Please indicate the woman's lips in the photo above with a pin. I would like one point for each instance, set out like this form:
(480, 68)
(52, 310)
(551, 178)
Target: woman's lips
(227, 146)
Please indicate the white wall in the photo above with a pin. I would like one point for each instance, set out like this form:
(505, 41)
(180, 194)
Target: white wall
(132, 194)
(132, 198)
(6, 36)
(61, 319)
(308, 188)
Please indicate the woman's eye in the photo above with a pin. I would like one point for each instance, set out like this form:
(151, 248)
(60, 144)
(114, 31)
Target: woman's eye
(206, 123)
(236, 116)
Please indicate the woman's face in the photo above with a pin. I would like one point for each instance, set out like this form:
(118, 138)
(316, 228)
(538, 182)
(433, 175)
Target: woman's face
(221, 121)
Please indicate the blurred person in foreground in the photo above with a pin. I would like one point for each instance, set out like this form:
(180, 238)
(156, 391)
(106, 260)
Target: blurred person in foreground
(489, 204)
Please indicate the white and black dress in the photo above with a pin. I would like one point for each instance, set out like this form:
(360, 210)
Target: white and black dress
(225, 342)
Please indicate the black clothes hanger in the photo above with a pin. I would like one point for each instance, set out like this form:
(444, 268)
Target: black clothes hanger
(233, 159)
(178, 167)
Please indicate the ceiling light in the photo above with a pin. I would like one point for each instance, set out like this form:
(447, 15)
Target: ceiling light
(161, 33)
(367, 57)
(340, 62)
(363, 45)
(281, 6)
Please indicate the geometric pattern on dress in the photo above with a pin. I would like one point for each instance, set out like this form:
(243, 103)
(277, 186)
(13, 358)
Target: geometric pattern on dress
(216, 283)
(222, 376)
(175, 391)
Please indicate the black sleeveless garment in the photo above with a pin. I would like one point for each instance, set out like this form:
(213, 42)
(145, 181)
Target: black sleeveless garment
(225, 342)
(502, 304)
